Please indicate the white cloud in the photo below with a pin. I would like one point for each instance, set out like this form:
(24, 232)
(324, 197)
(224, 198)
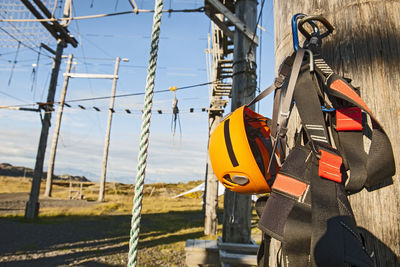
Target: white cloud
(80, 150)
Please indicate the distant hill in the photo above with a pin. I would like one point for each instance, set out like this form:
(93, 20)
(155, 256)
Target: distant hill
(7, 169)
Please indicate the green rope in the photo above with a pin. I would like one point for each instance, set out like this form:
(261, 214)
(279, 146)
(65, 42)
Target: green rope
(144, 137)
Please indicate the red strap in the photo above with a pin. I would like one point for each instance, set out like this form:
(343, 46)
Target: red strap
(349, 119)
(289, 185)
(344, 88)
(329, 166)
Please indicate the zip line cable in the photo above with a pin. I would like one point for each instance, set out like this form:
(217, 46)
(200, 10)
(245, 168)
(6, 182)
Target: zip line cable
(11, 52)
(126, 111)
(116, 96)
(14, 63)
(200, 9)
(11, 96)
(136, 94)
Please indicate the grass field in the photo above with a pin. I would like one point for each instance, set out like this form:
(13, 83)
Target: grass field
(165, 226)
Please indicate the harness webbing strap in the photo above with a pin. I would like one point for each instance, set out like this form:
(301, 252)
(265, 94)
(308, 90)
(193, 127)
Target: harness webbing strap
(263, 94)
(287, 213)
(286, 101)
(309, 108)
(335, 240)
(352, 147)
(380, 163)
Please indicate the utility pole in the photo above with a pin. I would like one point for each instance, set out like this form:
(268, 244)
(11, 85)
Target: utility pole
(241, 71)
(61, 34)
(108, 132)
(32, 206)
(237, 207)
(50, 171)
(363, 47)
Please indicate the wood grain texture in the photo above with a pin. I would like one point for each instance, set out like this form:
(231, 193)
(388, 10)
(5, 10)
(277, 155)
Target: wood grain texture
(366, 48)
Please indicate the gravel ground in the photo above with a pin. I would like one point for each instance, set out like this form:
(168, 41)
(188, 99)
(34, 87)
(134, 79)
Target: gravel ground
(70, 241)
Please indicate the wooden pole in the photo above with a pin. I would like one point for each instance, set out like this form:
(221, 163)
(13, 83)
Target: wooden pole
(32, 206)
(237, 207)
(364, 47)
(50, 170)
(108, 131)
(211, 192)
(214, 117)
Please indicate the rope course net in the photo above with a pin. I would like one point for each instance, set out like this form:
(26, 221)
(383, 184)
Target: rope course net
(30, 33)
(144, 136)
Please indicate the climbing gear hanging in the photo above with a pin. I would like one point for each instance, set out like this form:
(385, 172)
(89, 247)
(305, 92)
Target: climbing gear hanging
(144, 136)
(308, 209)
(175, 112)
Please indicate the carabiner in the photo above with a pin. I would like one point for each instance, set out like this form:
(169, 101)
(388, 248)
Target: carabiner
(295, 35)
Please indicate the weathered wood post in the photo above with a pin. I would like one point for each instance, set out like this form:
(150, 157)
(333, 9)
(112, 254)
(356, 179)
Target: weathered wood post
(108, 131)
(365, 48)
(32, 206)
(211, 192)
(50, 170)
(237, 207)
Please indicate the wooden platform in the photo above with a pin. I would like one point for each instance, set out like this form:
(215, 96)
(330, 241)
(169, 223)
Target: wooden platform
(237, 253)
(201, 253)
(213, 253)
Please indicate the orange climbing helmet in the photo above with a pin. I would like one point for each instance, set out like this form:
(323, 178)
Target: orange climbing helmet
(240, 151)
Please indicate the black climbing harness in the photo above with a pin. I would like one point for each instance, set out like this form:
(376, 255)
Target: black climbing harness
(308, 209)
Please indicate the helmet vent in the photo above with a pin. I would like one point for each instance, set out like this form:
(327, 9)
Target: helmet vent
(236, 179)
(240, 180)
(227, 178)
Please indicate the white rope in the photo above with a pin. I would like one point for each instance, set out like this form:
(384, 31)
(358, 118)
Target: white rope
(144, 137)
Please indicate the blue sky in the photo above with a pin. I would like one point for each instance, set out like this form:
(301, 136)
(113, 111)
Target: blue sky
(181, 62)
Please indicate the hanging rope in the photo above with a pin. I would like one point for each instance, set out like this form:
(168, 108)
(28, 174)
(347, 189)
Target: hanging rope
(144, 136)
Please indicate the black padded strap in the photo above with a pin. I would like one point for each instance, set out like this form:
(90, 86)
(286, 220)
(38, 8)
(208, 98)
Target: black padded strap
(288, 218)
(380, 163)
(326, 246)
(352, 148)
(309, 107)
